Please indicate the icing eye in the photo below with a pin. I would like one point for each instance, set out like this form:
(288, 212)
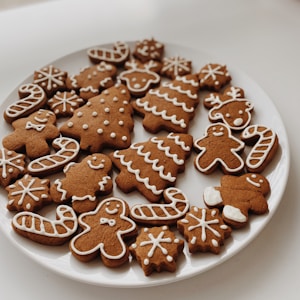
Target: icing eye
(261, 181)
(227, 115)
(240, 112)
(133, 79)
(214, 128)
(108, 203)
(222, 129)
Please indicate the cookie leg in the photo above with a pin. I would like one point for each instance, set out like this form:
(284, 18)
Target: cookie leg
(234, 214)
(212, 196)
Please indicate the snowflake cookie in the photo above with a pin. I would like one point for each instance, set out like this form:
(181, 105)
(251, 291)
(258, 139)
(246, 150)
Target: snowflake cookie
(157, 249)
(204, 230)
(28, 194)
(175, 66)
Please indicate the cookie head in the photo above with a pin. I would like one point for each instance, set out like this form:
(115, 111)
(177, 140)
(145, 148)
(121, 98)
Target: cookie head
(256, 182)
(218, 130)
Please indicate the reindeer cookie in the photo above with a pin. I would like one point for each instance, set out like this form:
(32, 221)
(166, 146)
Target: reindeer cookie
(139, 77)
(33, 134)
(218, 147)
(83, 182)
(103, 232)
(239, 196)
(230, 107)
(44, 230)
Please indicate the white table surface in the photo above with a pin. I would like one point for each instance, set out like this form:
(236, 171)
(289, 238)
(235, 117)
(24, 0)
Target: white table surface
(262, 37)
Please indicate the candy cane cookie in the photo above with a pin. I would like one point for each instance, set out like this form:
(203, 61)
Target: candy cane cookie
(45, 231)
(32, 98)
(175, 207)
(118, 55)
(265, 145)
(68, 151)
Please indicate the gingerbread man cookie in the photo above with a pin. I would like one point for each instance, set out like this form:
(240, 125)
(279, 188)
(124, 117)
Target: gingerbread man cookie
(204, 230)
(139, 77)
(44, 230)
(83, 182)
(32, 98)
(104, 230)
(28, 194)
(12, 165)
(157, 249)
(33, 134)
(217, 148)
(239, 196)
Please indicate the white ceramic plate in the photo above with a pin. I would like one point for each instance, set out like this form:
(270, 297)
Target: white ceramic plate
(191, 182)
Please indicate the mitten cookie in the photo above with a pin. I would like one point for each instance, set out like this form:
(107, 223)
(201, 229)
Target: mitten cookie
(51, 79)
(229, 107)
(175, 66)
(68, 150)
(12, 165)
(32, 98)
(92, 79)
(104, 121)
(204, 230)
(148, 49)
(63, 104)
(264, 142)
(217, 148)
(171, 106)
(174, 207)
(139, 77)
(157, 249)
(103, 233)
(238, 196)
(83, 182)
(44, 230)
(152, 166)
(214, 77)
(28, 194)
(33, 133)
(117, 56)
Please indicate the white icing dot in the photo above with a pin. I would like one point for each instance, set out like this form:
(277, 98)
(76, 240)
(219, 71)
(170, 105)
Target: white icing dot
(121, 123)
(124, 138)
(125, 102)
(79, 114)
(44, 196)
(106, 92)
(106, 109)
(146, 261)
(113, 135)
(134, 245)
(70, 124)
(165, 227)
(115, 99)
(10, 170)
(28, 206)
(102, 100)
(176, 241)
(99, 130)
(106, 122)
(215, 243)
(224, 227)
(169, 258)
(123, 92)
(121, 110)
(193, 240)
(94, 114)
(85, 126)
(88, 103)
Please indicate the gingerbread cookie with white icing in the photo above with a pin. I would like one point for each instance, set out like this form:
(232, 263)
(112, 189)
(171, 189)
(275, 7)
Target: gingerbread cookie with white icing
(51, 79)
(83, 182)
(105, 121)
(28, 194)
(157, 249)
(103, 232)
(152, 166)
(171, 106)
(44, 230)
(213, 76)
(32, 97)
(204, 230)
(175, 66)
(32, 134)
(92, 79)
(239, 196)
(148, 49)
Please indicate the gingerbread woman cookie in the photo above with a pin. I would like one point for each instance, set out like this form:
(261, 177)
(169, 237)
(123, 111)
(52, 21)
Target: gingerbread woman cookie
(32, 98)
(218, 147)
(83, 182)
(204, 230)
(104, 231)
(239, 196)
(92, 79)
(33, 134)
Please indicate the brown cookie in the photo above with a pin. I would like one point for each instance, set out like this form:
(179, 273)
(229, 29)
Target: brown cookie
(32, 134)
(12, 166)
(157, 249)
(104, 121)
(171, 106)
(148, 49)
(32, 97)
(91, 80)
(175, 66)
(213, 76)
(218, 148)
(44, 230)
(28, 194)
(264, 142)
(83, 182)
(204, 230)
(51, 79)
(152, 166)
(103, 232)
(117, 56)
(239, 196)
